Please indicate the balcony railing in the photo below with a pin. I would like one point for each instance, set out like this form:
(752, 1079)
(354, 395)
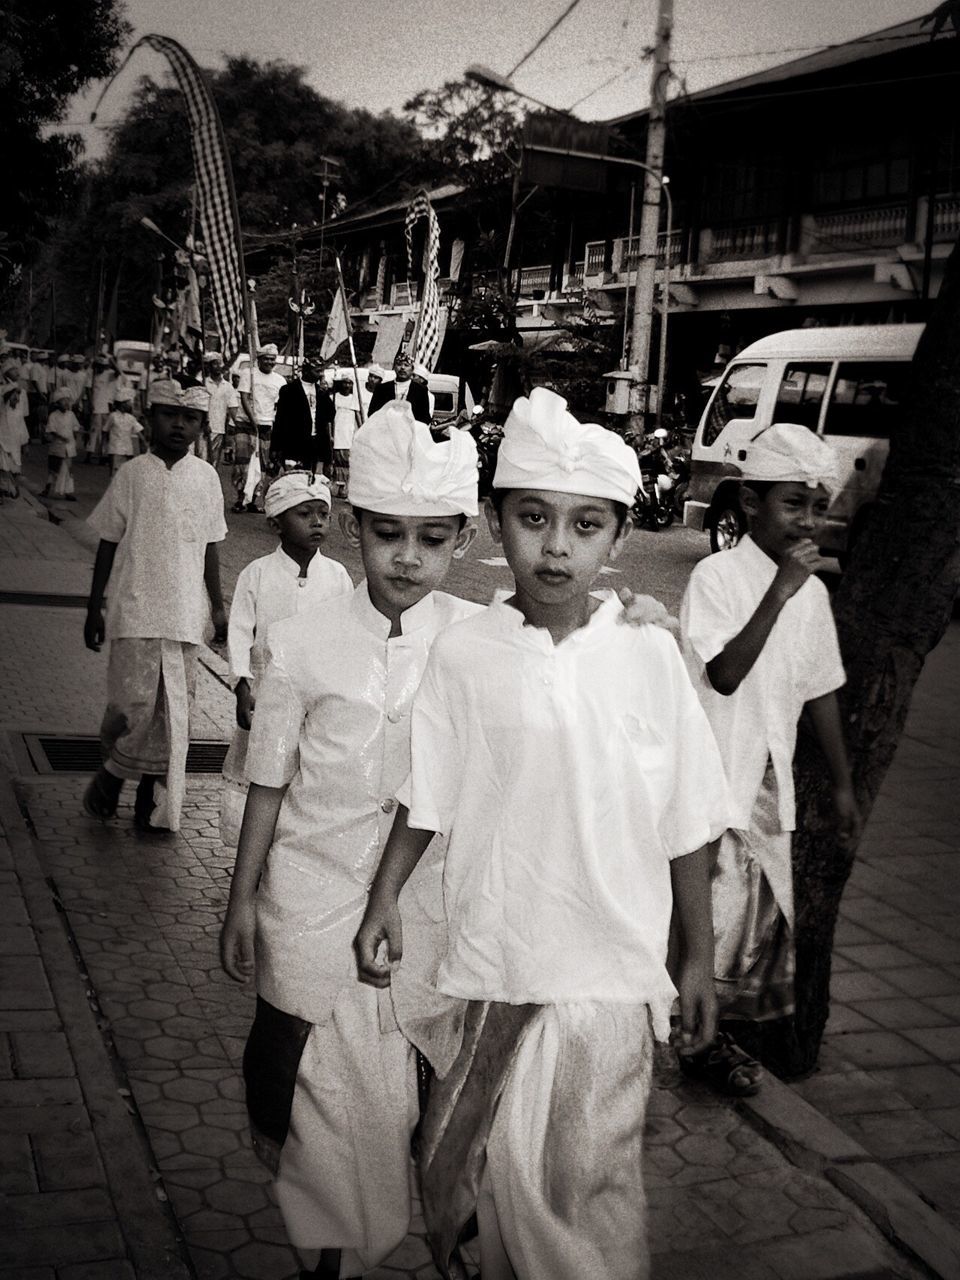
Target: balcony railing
(884, 225)
(749, 240)
(626, 251)
(946, 217)
(594, 257)
(573, 279)
(533, 280)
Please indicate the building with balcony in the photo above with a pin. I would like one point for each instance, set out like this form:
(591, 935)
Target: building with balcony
(825, 190)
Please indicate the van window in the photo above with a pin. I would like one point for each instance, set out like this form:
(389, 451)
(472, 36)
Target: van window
(442, 401)
(736, 397)
(801, 394)
(866, 399)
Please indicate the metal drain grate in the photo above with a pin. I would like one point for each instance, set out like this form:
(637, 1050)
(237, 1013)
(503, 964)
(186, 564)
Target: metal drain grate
(61, 753)
(48, 598)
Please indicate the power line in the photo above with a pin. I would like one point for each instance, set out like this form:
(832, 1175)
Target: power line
(544, 38)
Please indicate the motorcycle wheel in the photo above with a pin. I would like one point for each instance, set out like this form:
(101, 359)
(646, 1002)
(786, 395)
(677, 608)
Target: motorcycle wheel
(663, 515)
(679, 496)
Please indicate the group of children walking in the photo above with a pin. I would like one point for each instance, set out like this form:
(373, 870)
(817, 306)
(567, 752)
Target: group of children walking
(491, 817)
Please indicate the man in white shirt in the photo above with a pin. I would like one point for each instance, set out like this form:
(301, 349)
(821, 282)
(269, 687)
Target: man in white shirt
(224, 403)
(259, 391)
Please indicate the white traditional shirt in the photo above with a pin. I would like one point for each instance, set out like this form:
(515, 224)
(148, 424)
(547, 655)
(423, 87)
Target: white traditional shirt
(63, 428)
(101, 395)
(266, 392)
(268, 590)
(567, 776)
(122, 430)
(162, 518)
(800, 661)
(223, 396)
(332, 724)
(346, 419)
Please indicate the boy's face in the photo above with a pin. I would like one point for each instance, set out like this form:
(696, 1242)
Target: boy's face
(404, 557)
(173, 428)
(788, 513)
(556, 543)
(303, 527)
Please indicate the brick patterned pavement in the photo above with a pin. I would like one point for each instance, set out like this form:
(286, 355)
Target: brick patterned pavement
(143, 918)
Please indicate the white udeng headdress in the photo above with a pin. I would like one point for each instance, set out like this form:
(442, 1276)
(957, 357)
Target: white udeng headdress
(788, 453)
(292, 488)
(398, 469)
(545, 447)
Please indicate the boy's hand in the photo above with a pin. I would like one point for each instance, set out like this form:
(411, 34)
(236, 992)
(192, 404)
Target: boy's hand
(849, 822)
(236, 941)
(698, 1008)
(219, 617)
(94, 630)
(638, 610)
(380, 928)
(245, 703)
(796, 566)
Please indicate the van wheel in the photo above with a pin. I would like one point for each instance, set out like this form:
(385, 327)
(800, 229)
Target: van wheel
(727, 528)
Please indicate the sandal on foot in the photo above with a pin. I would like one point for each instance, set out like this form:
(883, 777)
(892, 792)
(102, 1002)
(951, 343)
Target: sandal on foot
(98, 802)
(725, 1067)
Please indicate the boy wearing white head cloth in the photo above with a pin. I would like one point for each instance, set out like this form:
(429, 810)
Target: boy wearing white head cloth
(331, 1084)
(761, 644)
(291, 580)
(159, 524)
(566, 757)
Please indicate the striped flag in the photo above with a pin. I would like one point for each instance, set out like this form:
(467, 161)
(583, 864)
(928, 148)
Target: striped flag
(428, 335)
(216, 203)
(338, 327)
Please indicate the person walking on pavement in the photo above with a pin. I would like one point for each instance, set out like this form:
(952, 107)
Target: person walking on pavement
(259, 391)
(62, 430)
(122, 432)
(761, 646)
(292, 579)
(159, 524)
(346, 420)
(13, 429)
(224, 404)
(101, 400)
(403, 387)
(303, 426)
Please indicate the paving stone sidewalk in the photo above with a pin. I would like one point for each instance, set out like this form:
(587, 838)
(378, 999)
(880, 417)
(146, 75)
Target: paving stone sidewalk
(123, 1143)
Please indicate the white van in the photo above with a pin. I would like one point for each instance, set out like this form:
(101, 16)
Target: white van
(845, 383)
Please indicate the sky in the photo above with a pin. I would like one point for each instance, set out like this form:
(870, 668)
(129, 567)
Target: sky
(378, 53)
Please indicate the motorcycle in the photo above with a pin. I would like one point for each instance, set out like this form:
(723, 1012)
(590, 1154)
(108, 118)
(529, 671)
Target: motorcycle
(653, 508)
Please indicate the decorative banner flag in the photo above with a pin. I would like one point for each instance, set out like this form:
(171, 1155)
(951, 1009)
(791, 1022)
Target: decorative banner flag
(426, 341)
(338, 327)
(216, 200)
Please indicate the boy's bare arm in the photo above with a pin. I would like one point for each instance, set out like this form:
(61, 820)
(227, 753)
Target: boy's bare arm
(256, 837)
(94, 630)
(730, 667)
(691, 903)
(825, 718)
(211, 579)
(381, 922)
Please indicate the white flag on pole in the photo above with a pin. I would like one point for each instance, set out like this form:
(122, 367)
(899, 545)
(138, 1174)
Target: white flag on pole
(338, 327)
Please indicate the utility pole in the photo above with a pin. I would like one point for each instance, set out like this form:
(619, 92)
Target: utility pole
(650, 209)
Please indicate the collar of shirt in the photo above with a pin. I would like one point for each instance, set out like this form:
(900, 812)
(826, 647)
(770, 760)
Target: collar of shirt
(413, 619)
(290, 566)
(159, 462)
(757, 563)
(511, 619)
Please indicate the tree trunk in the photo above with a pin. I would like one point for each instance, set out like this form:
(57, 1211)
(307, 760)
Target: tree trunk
(892, 608)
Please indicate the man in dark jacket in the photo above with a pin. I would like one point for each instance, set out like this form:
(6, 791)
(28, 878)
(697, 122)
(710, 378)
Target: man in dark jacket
(404, 388)
(302, 428)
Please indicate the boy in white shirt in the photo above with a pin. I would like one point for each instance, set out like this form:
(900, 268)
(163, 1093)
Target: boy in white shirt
(122, 430)
(331, 1084)
(159, 524)
(567, 759)
(762, 647)
(291, 580)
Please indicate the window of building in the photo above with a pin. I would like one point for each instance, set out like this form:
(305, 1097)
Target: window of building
(872, 168)
(866, 399)
(801, 394)
(736, 397)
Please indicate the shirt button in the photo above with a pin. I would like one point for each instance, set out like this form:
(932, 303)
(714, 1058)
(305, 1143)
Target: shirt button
(388, 805)
(395, 716)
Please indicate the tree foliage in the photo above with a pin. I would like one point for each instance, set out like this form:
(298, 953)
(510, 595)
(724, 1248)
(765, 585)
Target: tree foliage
(470, 132)
(277, 128)
(48, 51)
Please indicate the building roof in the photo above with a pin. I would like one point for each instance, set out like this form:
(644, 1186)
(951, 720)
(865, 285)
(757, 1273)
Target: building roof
(904, 35)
